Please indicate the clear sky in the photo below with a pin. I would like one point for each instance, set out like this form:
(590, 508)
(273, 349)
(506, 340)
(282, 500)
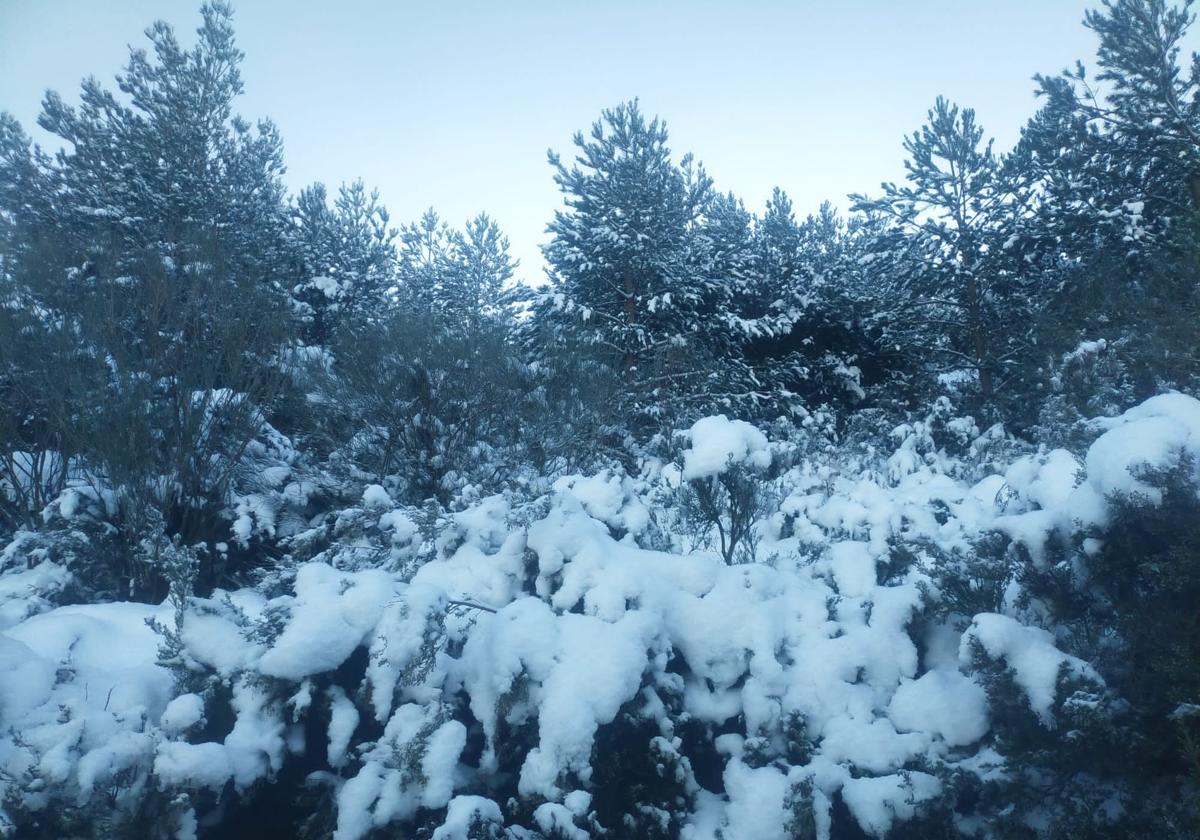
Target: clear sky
(453, 104)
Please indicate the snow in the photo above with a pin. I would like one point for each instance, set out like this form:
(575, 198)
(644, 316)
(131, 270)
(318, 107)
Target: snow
(875, 746)
(182, 713)
(607, 497)
(877, 802)
(187, 826)
(204, 765)
(1031, 654)
(383, 791)
(332, 614)
(375, 497)
(853, 568)
(256, 746)
(557, 821)
(403, 529)
(578, 802)
(354, 801)
(1085, 349)
(101, 766)
(79, 684)
(461, 812)
(327, 286)
(215, 638)
(343, 720)
(717, 442)
(1045, 480)
(29, 680)
(756, 797)
(254, 513)
(111, 650)
(437, 765)
(1151, 436)
(944, 703)
(582, 669)
(549, 620)
(29, 591)
(397, 641)
(1053, 493)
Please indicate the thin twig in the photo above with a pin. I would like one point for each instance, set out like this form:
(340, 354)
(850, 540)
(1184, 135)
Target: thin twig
(471, 605)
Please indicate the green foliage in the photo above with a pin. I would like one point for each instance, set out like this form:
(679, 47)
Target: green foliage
(1126, 602)
(348, 259)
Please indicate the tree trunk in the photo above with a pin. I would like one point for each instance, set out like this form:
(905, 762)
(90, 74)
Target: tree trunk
(630, 359)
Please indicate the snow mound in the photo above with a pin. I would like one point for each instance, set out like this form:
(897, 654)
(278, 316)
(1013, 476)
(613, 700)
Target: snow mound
(944, 703)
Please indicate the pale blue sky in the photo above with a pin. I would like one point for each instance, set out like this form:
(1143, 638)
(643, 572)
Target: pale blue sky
(453, 104)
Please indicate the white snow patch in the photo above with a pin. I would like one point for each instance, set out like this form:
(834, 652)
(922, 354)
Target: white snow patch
(332, 615)
(944, 703)
(182, 713)
(717, 442)
(1030, 652)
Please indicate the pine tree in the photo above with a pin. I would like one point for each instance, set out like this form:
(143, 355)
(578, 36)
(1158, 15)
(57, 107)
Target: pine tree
(348, 255)
(945, 276)
(1150, 107)
(454, 276)
(481, 269)
(809, 337)
(1112, 168)
(627, 277)
(427, 387)
(423, 261)
(156, 243)
(176, 173)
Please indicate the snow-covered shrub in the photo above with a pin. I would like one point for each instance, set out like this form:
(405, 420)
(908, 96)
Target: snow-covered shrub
(907, 664)
(75, 554)
(723, 484)
(1123, 595)
(80, 704)
(112, 538)
(1103, 554)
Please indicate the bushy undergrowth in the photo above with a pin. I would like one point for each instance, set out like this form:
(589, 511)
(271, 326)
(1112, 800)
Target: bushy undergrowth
(919, 646)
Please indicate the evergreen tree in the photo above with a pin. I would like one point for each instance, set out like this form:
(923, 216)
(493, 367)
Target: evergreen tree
(810, 335)
(176, 173)
(348, 255)
(1149, 109)
(728, 233)
(627, 276)
(154, 246)
(456, 276)
(1111, 170)
(484, 266)
(427, 387)
(945, 274)
(423, 261)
